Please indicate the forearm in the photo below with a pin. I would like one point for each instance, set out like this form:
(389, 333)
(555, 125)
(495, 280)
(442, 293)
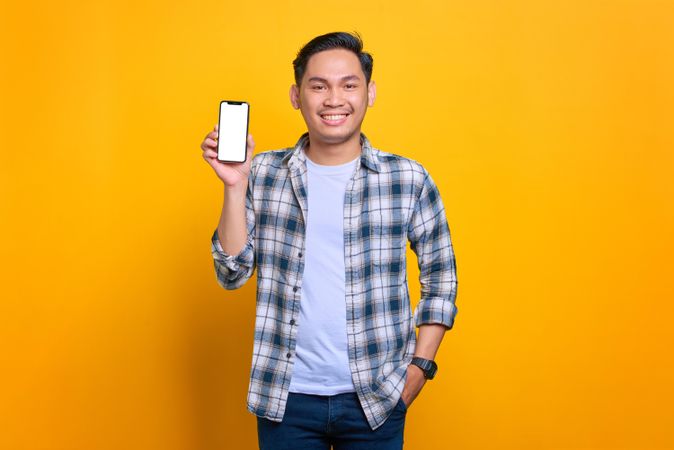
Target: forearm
(428, 342)
(429, 339)
(232, 232)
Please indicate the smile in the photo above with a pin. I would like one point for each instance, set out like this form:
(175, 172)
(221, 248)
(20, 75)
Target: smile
(334, 119)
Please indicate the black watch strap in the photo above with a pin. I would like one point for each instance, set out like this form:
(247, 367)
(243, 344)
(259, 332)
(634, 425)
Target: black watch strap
(428, 366)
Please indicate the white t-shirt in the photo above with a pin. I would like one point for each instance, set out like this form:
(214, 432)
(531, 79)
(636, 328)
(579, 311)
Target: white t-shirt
(322, 364)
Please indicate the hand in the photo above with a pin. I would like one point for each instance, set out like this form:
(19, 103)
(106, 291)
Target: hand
(415, 381)
(231, 174)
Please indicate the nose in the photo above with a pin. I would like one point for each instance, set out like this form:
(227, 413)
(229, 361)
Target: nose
(333, 98)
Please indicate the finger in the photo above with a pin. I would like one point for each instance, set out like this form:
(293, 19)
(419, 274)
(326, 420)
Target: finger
(210, 154)
(210, 143)
(213, 161)
(212, 135)
(205, 145)
(250, 141)
(216, 127)
(250, 147)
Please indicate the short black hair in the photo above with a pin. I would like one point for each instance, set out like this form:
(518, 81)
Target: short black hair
(348, 41)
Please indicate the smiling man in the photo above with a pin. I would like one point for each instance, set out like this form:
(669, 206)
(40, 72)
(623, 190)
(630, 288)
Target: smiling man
(336, 359)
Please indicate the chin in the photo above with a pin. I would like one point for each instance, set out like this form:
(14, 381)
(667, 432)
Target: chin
(337, 138)
(334, 135)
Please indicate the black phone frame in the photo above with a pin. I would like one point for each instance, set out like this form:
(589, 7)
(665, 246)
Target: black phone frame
(245, 141)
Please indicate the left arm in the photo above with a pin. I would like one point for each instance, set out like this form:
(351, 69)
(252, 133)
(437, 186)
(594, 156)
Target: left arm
(430, 240)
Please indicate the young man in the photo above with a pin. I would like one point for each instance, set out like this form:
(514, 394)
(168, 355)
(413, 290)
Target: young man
(336, 359)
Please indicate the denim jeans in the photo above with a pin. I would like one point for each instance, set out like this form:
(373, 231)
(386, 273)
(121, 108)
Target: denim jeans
(318, 421)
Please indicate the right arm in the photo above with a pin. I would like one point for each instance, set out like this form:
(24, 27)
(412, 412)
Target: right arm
(232, 243)
(232, 231)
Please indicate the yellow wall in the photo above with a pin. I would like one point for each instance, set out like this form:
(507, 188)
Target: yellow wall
(548, 125)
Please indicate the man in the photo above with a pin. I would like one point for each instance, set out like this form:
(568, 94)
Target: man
(336, 360)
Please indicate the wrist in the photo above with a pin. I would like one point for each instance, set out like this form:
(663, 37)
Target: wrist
(236, 188)
(427, 366)
(416, 370)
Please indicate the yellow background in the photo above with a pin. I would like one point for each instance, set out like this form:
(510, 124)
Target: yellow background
(548, 126)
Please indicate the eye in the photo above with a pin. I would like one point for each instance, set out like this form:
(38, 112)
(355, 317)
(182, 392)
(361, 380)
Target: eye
(351, 86)
(317, 87)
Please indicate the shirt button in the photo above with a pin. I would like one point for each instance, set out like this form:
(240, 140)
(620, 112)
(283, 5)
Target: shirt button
(295, 289)
(288, 355)
(292, 321)
(299, 254)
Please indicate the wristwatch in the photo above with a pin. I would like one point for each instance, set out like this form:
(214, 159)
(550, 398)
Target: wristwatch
(427, 365)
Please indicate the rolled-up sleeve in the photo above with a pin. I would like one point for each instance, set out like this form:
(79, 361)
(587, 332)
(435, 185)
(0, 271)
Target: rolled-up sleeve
(232, 271)
(429, 237)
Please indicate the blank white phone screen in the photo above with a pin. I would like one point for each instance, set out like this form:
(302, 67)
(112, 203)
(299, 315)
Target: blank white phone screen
(232, 130)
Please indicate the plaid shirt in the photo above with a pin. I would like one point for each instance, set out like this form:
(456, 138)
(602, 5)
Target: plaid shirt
(389, 200)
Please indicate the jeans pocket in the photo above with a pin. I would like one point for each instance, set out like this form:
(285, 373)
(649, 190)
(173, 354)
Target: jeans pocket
(401, 404)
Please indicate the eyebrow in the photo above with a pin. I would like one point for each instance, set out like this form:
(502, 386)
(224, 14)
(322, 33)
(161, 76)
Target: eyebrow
(345, 78)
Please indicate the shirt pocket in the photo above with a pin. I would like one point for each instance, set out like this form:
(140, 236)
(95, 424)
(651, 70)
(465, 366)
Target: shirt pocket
(385, 239)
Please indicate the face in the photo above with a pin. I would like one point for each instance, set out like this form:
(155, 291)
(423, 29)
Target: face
(333, 96)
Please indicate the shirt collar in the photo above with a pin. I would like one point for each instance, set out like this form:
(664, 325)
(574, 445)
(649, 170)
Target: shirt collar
(369, 155)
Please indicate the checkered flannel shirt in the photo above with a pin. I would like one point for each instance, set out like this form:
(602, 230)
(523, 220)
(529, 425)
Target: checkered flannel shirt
(389, 201)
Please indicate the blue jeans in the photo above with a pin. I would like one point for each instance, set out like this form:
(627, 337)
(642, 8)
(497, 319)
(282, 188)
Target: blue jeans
(318, 421)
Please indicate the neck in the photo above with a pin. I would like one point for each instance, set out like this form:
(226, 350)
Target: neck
(329, 154)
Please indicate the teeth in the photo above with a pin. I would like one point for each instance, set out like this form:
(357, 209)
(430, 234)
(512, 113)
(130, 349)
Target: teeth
(334, 116)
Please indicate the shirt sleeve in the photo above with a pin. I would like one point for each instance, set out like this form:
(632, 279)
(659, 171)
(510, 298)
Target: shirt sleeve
(429, 237)
(232, 271)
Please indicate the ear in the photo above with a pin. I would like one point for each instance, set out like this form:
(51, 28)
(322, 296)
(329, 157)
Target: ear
(295, 96)
(371, 93)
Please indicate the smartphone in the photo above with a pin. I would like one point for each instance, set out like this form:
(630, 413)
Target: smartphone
(232, 131)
